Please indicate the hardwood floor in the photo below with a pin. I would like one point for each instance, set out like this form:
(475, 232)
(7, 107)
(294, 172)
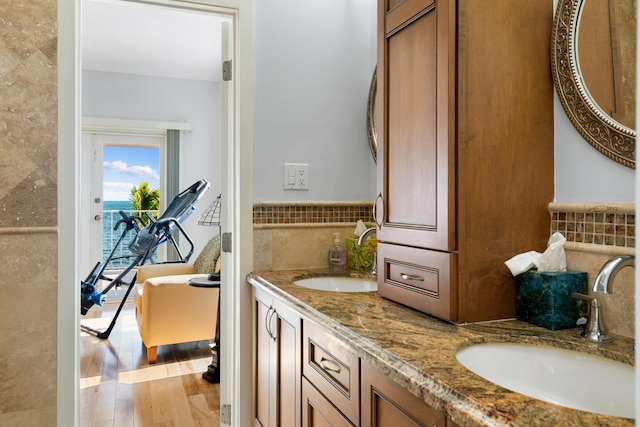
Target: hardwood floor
(119, 388)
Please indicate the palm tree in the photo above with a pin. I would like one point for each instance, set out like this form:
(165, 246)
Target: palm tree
(144, 198)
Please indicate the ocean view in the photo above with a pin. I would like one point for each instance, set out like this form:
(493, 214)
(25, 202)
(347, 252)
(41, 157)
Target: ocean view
(111, 216)
(110, 236)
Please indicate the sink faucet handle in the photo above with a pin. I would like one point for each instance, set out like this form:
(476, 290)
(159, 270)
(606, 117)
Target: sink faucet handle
(596, 329)
(584, 297)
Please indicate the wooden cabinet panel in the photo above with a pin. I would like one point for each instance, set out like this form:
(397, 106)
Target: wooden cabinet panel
(317, 411)
(419, 278)
(465, 148)
(386, 403)
(276, 376)
(263, 372)
(288, 362)
(416, 159)
(332, 368)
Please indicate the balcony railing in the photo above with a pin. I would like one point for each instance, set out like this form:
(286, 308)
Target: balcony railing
(122, 257)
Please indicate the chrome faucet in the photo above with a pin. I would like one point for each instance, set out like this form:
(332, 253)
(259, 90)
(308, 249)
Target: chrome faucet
(363, 238)
(596, 329)
(609, 271)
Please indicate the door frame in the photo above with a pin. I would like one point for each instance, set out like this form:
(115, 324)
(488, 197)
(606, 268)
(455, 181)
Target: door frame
(238, 183)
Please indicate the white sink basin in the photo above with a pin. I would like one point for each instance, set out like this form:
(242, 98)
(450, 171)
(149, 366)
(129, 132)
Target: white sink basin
(338, 284)
(568, 378)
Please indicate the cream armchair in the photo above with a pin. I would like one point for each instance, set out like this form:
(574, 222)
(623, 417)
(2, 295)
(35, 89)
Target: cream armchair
(168, 310)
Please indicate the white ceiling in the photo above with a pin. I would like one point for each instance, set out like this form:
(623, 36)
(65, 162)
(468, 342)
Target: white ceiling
(127, 37)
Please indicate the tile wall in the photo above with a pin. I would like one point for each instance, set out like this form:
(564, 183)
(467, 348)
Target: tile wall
(290, 236)
(28, 217)
(299, 235)
(595, 233)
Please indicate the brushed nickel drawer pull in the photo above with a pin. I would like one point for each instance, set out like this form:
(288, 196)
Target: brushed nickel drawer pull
(325, 364)
(378, 219)
(267, 320)
(411, 277)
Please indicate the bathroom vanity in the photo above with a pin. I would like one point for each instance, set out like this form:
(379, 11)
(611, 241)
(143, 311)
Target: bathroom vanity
(357, 359)
(465, 151)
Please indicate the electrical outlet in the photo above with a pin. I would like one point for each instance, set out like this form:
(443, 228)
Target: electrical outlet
(296, 176)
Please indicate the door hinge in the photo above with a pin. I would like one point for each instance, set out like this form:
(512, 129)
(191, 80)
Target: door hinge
(225, 414)
(225, 242)
(227, 67)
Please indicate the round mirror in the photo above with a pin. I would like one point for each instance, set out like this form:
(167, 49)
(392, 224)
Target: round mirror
(597, 91)
(371, 117)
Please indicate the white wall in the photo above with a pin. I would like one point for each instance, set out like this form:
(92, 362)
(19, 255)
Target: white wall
(583, 174)
(314, 62)
(313, 66)
(312, 81)
(128, 96)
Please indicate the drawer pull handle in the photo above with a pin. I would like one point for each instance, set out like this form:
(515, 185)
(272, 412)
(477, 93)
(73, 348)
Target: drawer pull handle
(328, 365)
(411, 277)
(378, 219)
(267, 320)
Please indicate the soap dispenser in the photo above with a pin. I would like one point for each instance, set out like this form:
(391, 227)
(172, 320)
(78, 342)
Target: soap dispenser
(337, 255)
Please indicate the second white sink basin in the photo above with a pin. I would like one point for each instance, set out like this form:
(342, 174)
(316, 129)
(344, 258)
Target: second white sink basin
(568, 378)
(338, 284)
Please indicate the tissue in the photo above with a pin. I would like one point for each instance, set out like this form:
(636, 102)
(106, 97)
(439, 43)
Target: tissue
(360, 228)
(552, 260)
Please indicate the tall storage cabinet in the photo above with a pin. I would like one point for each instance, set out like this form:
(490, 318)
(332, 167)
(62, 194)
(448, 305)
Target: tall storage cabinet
(465, 150)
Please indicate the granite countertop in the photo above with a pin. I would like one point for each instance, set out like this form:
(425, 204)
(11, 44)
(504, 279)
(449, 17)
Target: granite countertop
(418, 351)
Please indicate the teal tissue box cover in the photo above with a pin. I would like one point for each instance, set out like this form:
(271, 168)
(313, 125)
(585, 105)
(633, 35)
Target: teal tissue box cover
(544, 299)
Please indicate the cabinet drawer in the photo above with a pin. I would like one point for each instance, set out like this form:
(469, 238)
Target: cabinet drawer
(386, 403)
(333, 368)
(419, 278)
(318, 411)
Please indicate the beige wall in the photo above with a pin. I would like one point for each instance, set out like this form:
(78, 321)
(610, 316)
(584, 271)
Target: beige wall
(28, 217)
(288, 248)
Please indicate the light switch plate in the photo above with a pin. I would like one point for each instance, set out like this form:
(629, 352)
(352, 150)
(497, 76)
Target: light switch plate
(296, 176)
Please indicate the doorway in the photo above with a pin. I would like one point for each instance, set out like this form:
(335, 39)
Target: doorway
(115, 162)
(233, 158)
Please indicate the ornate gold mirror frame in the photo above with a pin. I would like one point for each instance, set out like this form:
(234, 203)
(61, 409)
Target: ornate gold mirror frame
(371, 117)
(602, 132)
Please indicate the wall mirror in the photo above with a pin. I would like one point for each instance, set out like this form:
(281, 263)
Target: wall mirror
(593, 59)
(371, 117)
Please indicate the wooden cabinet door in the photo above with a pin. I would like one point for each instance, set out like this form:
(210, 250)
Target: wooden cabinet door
(276, 378)
(288, 365)
(386, 403)
(317, 411)
(262, 353)
(416, 70)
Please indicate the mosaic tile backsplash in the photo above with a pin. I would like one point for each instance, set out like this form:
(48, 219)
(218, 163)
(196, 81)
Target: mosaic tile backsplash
(311, 213)
(610, 225)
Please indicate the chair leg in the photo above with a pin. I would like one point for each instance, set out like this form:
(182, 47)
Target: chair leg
(152, 352)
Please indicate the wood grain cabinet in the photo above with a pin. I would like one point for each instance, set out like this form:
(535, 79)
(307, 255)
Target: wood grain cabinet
(318, 411)
(305, 376)
(385, 403)
(340, 389)
(276, 363)
(465, 150)
(334, 370)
